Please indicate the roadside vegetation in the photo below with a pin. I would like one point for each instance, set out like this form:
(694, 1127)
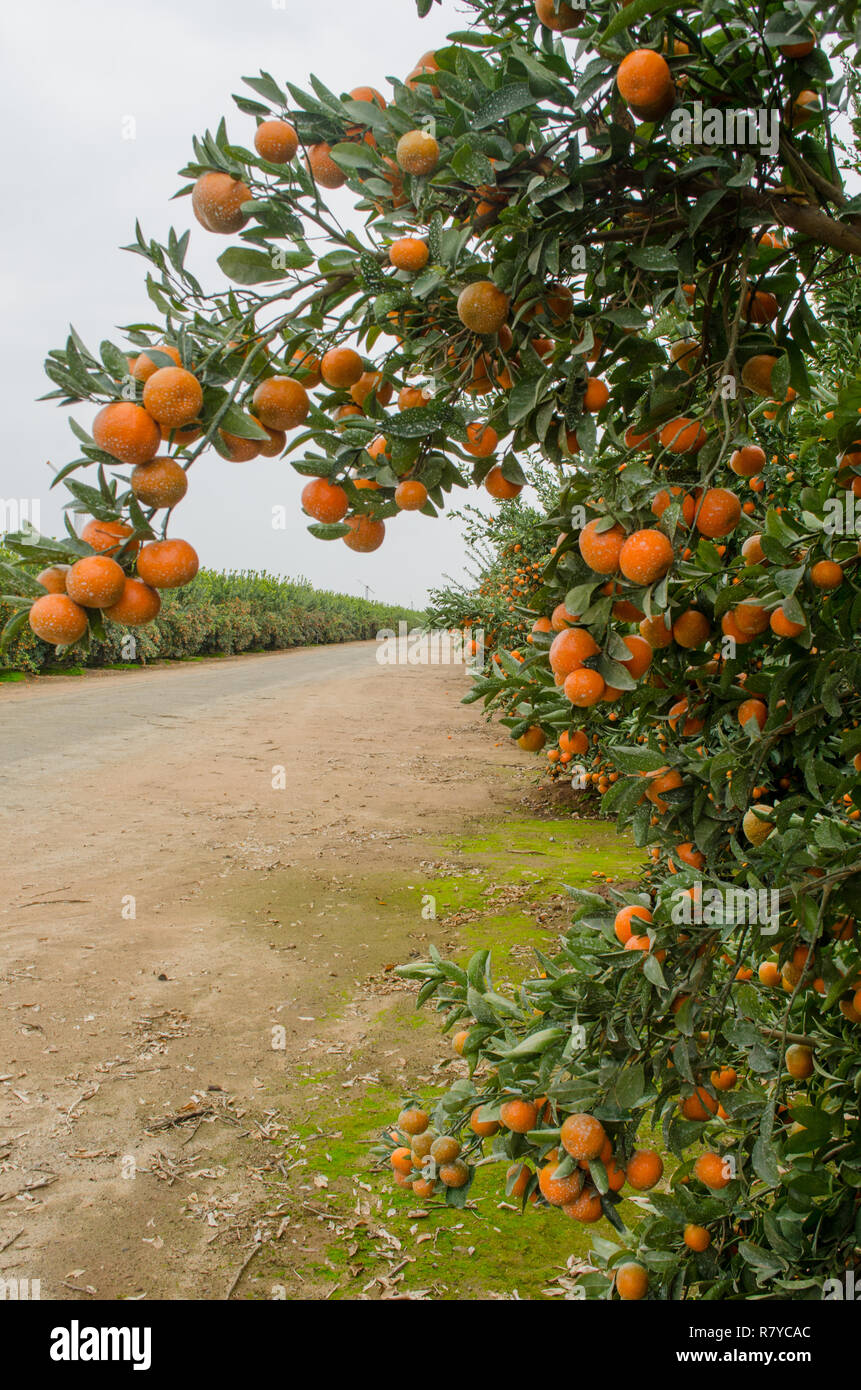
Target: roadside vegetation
(220, 614)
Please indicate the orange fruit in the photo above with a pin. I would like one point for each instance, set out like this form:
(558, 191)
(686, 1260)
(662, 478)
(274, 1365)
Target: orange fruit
(325, 501)
(180, 438)
(719, 512)
(575, 744)
(341, 368)
(53, 578)
(689, 854)
(646, 556)
(700, 1106)
(683, 436)
(127, 432)
(484, 1128)
(137, 605)
(167, 564)
(596, 395)
(161, 483)
(799, 1061)
(622, 924)
(322, 167)
(371, 383)
(645, 82)
(240, 449)
(305, 367)
(756, 373)
(559, 19)
(696, 1237)
(370, 95)
(401, 1160)
(409, 253)
(108, 536)
(691, 628)
(273, 446)
(662, 782)
(634, 439)
(95, 582)
(601, 549)
(782, 626)
(644, 1169)
(426, 64)
(584, 688)
(519, 1116)
(482, 307)
(216, 201)
(445, 1149)
(410, 495)
(532, 741)
(587, 1207)
(826, 574)
(662, 500)
(769, 974)
(417, 152)
(365, 534)
(641, 656)
(656, 632)
(686, 353)
(482, 440)
(454, 1174)
(570, 648)
(281, 403)
(582, 1136)
(276, 141)
(499, 486)
(143, 366)
(58, 619)
(747, 461)
(632, 1281)
(412, 397)
(752, 709)
(752, 550)
(521, 1180)
(691, 725)
(641, 943)
(710, 1170)
(724, 1079)
(798, 50)
(759, 306)
(412, 1121)
(559, 1191)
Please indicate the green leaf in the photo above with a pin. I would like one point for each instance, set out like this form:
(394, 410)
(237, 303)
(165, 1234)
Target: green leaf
(329, 530)
(502, 103)
(631, 759)
(249, 267)
(632, 15)
(655, 258)
(535, 1044)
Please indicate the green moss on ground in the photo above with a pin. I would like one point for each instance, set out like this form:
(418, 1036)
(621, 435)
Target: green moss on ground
(511, 894)
(489, 1250)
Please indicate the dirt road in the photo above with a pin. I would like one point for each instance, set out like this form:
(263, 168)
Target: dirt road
(207, 870)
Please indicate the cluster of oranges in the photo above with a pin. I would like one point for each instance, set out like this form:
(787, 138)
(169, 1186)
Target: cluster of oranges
(569, 1174)
(122, 576)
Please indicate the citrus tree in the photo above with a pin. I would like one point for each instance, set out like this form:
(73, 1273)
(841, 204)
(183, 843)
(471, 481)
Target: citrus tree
(596, 237)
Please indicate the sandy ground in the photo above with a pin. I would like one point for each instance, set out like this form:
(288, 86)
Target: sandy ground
(196, 862)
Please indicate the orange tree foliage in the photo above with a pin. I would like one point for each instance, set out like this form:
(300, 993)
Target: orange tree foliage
(608, 288)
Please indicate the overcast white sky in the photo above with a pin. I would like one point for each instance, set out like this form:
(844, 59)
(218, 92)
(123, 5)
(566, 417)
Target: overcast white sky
(71, 76)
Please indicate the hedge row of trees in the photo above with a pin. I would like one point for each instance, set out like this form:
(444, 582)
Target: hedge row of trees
(220, 614)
